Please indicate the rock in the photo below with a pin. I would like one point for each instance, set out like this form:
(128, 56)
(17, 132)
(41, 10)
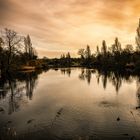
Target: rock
(138, 107)
(30, 121)
(126, 134)
(60, 111)
(118, 119)
(9, 122)
(1, 109)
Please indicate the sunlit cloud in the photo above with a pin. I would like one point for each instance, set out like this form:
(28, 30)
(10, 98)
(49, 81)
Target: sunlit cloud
(58, 26)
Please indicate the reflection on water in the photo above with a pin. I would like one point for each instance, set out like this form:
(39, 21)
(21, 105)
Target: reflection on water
(70, 103)
(86, 74)
(13, 88)
(115, 78)
(66, 71)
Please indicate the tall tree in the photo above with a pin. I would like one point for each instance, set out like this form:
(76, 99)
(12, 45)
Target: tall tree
(29, 50)
(104, 48)
(97, 50)
(116, 47)
(138, 37)
(1, 54)
(88, 52)
(68, 58)
(68, 55)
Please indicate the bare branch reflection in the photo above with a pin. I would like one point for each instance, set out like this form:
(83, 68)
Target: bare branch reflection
(14, 87)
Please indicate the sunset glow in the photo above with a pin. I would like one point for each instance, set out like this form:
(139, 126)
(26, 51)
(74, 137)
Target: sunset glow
(59, 26)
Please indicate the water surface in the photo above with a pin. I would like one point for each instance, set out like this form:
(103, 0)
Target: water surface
(70, 104)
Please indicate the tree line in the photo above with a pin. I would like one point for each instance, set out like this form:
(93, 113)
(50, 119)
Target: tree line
(114, 57)
(15, 50)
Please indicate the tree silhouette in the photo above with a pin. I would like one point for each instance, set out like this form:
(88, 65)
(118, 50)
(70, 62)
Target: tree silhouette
(29, 50)
(88, 52)
(68, 59)
(81, 52)
(138, 37)
(15, 50)
(104, 48)
(12, 41)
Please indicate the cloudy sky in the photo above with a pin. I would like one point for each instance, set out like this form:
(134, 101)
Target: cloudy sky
(58, 26)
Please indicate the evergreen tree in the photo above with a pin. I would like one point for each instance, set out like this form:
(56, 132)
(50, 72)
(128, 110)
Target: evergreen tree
(68, 57)
(104, 48)
(97, 50)
(29, 50)
(88, 52)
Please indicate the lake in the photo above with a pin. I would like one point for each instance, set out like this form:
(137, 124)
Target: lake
(70, 104)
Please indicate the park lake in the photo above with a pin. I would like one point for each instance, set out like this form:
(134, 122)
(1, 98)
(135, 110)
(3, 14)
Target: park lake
(70, 104)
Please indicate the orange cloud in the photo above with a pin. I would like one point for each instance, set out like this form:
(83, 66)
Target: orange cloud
(61, 25)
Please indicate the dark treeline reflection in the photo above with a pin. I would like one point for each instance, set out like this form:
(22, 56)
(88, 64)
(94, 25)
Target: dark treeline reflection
(86, 75)
(117, 78)
(66, 71)
(14, 87)
(18, 88)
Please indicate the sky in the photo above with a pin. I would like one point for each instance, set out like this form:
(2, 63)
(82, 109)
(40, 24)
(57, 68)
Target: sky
(59, 26)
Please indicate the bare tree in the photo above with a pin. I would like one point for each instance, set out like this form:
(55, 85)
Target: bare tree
(12, 43)
(128, 48)
(81, 52)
